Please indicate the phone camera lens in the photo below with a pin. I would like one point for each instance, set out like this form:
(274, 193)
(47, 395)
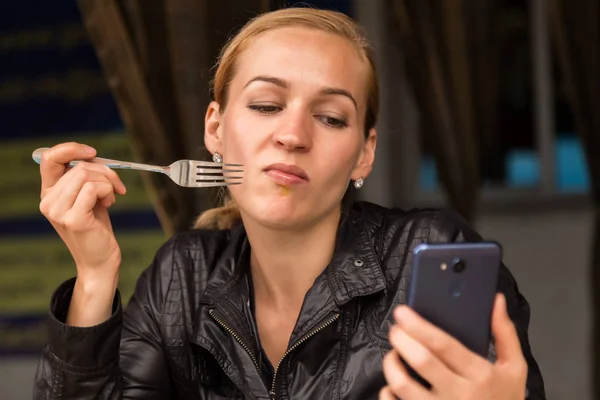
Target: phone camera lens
(459, 266)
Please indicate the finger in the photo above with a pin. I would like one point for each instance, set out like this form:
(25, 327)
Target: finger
(448, 349)
(422, 360)
(400, 382)
(63, 195)
(109, 173)
(85, 170)
(54, 159)
(386, 394)
(508, 346)
(78, 217)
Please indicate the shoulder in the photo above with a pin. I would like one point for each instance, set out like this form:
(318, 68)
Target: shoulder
(185, 259)
(417, 224)
(205, 241)
(195, 250)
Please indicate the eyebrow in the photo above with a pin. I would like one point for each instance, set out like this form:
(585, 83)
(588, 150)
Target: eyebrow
(328, 91)
(339, 92)
(269, 79)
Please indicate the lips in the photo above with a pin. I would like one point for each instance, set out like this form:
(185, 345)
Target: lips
(285, 174)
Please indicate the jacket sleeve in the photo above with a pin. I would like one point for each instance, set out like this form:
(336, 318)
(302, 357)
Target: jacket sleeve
(122, 358)
(451, 227)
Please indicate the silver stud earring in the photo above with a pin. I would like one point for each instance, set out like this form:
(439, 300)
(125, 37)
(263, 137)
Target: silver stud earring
(217, 158)
(359, 182)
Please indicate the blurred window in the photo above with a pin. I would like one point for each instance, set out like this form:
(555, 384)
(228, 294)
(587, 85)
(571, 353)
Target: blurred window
(537, 148)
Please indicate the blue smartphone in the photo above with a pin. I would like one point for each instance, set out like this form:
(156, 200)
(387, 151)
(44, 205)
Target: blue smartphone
(454, 286)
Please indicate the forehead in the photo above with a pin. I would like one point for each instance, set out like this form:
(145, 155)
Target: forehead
(304, 56)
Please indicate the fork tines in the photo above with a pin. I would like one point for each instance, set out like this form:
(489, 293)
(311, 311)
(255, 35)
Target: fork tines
(218, 176)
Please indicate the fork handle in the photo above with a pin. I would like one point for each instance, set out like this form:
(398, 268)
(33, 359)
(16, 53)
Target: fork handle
(114, 164)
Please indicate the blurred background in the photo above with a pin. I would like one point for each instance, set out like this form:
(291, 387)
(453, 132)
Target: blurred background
(489, 107)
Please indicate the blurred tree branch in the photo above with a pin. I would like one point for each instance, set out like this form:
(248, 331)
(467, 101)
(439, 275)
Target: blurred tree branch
(157, 58)
(451, 56)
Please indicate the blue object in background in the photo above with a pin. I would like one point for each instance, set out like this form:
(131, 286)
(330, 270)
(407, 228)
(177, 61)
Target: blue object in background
(428, 177)
(523, 169)
(571, 165)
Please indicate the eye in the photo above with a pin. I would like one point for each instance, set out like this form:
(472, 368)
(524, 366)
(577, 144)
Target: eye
(267, 109)
(332, 122)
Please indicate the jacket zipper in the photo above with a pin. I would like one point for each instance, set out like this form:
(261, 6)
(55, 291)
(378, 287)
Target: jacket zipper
(237, 338)
(298, 343)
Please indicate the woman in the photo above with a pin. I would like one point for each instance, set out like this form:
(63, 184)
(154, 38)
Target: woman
(301, 298)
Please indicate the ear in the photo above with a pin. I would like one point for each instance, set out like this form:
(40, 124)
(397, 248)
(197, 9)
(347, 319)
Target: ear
(364, 166)
(212, 133)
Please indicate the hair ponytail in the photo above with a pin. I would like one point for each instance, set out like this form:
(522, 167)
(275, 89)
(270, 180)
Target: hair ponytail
(224, 217)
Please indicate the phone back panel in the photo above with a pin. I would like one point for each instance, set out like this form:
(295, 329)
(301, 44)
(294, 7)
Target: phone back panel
(459, 303)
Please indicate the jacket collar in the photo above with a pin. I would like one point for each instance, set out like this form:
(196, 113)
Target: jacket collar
(353, 271)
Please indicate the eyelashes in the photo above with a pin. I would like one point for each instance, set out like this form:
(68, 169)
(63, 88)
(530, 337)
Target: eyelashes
(333, 122)
(270, 109)
(265, 109)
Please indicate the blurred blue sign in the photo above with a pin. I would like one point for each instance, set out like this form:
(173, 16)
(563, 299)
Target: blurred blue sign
(50, 79)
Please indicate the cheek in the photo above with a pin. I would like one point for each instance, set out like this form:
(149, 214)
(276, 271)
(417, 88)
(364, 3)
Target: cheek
(237, 141)
(337, 162)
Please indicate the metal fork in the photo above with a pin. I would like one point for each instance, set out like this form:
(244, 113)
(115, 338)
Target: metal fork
(187, 173)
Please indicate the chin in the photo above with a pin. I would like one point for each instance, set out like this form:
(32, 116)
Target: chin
(282, 209)
(278, 224)
(277, 214)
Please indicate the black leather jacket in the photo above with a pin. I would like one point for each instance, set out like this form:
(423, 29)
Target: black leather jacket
(188, 332)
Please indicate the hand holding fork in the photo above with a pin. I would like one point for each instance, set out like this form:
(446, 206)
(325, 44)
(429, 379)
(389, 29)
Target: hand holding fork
(76, 201)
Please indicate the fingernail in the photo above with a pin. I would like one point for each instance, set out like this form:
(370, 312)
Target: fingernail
(89, 149)
(502, 300)
(400, 313)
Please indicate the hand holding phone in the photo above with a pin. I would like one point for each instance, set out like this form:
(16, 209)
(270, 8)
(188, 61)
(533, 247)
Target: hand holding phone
(453, 290)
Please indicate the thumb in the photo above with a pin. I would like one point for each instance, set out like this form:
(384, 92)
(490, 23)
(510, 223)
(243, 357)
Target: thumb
(508, 346)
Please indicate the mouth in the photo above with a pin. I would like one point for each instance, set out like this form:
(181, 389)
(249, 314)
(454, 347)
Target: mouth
(285, 174)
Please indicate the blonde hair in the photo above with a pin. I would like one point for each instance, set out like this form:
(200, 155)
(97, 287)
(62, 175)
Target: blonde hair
(325, 20)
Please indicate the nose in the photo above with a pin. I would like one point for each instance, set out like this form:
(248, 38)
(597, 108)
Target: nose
(295, 134)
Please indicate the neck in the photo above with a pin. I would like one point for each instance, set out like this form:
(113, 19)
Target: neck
(285, 264)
